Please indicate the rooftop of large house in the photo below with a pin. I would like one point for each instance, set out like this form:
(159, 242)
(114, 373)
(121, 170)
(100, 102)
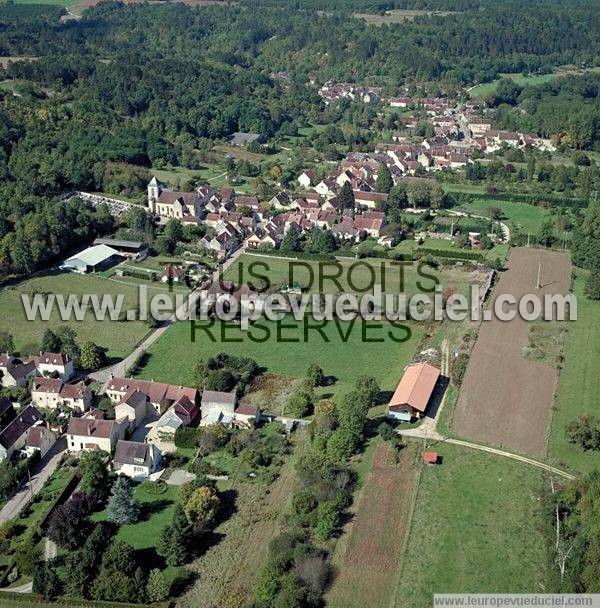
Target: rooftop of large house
(219, 397)
(90, 427)
(157, 392)
(54, 358)
(133, 452)
(416, 386)
(25, 420)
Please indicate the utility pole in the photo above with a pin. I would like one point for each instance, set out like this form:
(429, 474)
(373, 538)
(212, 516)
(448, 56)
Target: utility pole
(30, 485)
(528, 239)
(539, 276)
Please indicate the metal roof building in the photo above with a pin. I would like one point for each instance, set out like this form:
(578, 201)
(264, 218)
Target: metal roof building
(92, 259)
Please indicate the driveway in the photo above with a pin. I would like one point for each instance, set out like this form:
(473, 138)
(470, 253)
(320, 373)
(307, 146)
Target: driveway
(179, 477)
(41, 473)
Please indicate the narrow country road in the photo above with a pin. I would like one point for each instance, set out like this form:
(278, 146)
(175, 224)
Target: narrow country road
(432, 434)
(41, 473)
(119, 370)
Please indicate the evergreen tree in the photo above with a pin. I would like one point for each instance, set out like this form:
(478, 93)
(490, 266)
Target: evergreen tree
(94, 475)
(315, 375)
(384, 181)
(292, 241)
(122, 508)
(325, 242)
(174, 543)
(68, 342)
(585, 247)
(45, 580)
(158, 587)
(7, 343)
(347, 196)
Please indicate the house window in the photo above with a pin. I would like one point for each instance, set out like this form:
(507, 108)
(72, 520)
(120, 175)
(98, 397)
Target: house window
(138, 469)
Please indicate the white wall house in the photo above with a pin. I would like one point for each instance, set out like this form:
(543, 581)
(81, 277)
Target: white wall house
(90, 434)
(136, 460)
(61, 364)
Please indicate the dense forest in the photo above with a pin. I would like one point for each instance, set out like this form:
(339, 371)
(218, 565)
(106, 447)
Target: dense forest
(568, 107)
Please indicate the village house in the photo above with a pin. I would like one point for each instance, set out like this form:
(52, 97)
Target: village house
(56, 364)
(7, 412)
(91, 433)
(13, 372)
(400, 102)
(160, 397)
(52, 393)
(369, 199)
(136, 460)
(39, 439)
(217, 406)
(172, 272)
(326, 187)
(14, 434)
(413, 392)
(307, 178)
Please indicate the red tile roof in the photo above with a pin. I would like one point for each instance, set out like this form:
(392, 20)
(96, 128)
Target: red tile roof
(415, 387)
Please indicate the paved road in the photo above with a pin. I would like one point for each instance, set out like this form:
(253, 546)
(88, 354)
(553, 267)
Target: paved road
(26, 588)
(119, 370)
(39, 476)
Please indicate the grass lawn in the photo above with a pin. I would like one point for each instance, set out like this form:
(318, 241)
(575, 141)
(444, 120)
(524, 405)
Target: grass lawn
(156, 513)
(176, 176)
(528, 216)
(470, 188)
(173, 356)
(356, 275)
(475, 528)
(531, 79)
(118, 337)
(579, 382)
(398, 15)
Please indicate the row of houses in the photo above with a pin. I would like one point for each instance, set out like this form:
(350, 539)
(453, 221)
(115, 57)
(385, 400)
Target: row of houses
(234, 219)
(169, 406)
(16, 372)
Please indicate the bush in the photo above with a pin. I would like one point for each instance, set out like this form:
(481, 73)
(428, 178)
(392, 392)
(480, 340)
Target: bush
(187, 437)
(156, 488)
(458, 368)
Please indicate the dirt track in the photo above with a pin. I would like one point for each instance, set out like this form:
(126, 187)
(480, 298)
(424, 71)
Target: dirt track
(505, 400)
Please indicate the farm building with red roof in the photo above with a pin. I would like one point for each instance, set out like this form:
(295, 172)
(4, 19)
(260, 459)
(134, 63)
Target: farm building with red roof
(413, 392)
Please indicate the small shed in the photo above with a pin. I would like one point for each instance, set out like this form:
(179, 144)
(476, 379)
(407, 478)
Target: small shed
(431, 458)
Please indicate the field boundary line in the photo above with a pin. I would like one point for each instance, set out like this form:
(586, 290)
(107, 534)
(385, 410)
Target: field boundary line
(409, 531)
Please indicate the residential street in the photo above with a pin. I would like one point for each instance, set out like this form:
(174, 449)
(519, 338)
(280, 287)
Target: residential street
(43, 471)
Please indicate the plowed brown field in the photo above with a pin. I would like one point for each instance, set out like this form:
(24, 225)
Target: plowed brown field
(367, 573)
(505, 400)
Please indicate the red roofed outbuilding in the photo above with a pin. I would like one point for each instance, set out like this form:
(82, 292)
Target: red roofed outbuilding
(413, 392)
